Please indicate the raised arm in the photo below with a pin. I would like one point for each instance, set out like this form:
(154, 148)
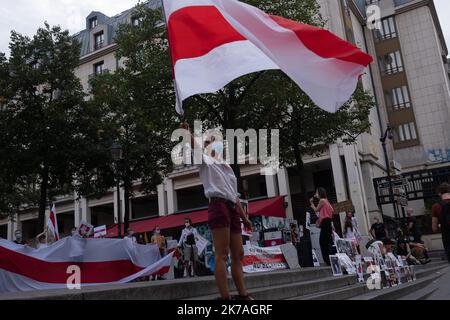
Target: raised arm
(319, 206)
(194, 144)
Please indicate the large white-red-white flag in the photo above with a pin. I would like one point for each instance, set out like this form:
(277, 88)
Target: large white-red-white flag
(213, 42)
(99, 261)
(52, 223)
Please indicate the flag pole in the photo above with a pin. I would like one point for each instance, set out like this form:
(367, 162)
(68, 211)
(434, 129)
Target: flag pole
(178, 103)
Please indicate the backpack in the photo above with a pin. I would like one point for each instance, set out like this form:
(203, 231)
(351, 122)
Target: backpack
(444, 217)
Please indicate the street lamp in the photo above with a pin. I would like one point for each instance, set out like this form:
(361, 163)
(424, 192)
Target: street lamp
(388, 134)
(117, 155)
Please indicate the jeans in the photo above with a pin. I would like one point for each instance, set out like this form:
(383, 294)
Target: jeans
(326, 240)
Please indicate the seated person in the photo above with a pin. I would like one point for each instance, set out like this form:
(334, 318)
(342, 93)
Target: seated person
(388, 245)
(420, 252)
(404, 251)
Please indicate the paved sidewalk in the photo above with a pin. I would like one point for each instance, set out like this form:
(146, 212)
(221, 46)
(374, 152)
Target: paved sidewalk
(443, 287)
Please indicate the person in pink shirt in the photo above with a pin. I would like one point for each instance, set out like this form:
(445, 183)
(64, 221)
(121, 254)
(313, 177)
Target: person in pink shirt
(325, 223)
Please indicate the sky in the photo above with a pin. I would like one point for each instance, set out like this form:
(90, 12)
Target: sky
(26, 16)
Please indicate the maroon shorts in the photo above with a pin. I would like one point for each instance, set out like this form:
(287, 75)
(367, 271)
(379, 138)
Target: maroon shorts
(223, 215)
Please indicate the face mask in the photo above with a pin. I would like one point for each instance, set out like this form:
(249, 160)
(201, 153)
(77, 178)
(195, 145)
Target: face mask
(158, 231)
(218, 147)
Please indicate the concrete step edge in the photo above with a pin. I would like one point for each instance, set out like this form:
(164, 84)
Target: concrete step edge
(333, 281)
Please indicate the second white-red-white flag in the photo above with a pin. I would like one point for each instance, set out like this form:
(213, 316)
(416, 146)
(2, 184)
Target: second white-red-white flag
(213, 42)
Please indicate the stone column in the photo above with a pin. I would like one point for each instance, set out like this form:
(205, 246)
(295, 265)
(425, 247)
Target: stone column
(356, 188)
(172, 205)
(271, 185)
(77, 211)
(338, 173)
(162, 200)
(85, 210)
(284, 190)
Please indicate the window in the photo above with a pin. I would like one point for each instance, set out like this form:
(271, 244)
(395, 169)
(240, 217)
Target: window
(136, 21)
(35, 65)
(387, 31)
(391, 63)
(99, 39)
(406, 132)
(98, 68)
(398, 98)
(93, 22)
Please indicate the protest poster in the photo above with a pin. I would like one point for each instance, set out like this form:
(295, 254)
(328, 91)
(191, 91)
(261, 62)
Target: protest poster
(359, 268)
(291, 255)
(258, 259)
(201, 244)
(336, 266)
(315, 258)
(346, 263)
(85, 229)
(100, 232)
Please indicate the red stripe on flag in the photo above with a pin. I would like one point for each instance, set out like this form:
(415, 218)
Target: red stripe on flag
(56, 272)
(53, 220)
(249, 260)
(195, 31)
(324, 43)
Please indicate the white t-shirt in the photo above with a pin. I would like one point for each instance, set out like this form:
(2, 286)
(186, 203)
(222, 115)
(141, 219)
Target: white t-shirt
(185, 233)
(218, 179)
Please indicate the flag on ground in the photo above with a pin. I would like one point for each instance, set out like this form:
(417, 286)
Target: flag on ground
(100, 261)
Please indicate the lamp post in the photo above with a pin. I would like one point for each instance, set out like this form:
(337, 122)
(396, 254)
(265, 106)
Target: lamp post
(117, 155)
(388, 134)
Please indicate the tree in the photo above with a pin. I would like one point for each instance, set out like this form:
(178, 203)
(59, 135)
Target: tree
(42, 117)
(132, 108)
(306, 129)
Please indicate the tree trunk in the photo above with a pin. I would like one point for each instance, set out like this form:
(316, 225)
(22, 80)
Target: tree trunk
(43, 199)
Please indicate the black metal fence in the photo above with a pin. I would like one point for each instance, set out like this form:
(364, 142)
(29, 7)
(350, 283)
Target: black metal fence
(419, 185)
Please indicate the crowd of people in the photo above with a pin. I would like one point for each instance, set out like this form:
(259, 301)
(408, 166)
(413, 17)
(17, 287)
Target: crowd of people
(406, 240)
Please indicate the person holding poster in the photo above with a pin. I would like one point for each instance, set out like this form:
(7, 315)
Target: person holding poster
(224, 214)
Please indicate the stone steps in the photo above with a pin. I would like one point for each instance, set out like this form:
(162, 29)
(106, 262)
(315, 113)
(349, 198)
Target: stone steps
(299, 284)
(408, 291)
(359, 289)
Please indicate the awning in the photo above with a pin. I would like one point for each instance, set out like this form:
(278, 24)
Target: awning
(272, 207)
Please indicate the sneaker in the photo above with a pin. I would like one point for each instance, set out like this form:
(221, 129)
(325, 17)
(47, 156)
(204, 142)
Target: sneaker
(185, 275)
(239, 297)
(220, 298)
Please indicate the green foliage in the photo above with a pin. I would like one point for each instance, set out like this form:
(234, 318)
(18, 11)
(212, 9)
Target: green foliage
(42, 118)
(132, 103)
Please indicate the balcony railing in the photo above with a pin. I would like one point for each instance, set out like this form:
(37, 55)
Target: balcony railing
(104, 71)
(98, 45)
(398, 3)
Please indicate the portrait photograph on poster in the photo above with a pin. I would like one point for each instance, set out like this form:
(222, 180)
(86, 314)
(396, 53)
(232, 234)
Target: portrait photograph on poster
(336, 266)
(382, 264)
(346, 263)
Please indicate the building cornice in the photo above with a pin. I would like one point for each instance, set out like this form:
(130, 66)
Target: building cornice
(98, 54)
